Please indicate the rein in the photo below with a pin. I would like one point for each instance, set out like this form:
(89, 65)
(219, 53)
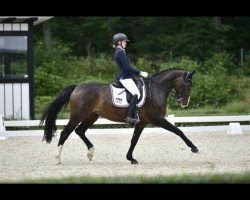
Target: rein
(164, 88)
(177, 95)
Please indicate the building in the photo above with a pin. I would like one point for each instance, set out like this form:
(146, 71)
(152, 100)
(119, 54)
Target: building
(17, 66)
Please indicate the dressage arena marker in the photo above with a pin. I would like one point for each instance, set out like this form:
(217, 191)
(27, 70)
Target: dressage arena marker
(2, 128)
(234, 128)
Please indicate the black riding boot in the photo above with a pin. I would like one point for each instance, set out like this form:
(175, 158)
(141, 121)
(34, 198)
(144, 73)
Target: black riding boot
(131, 118)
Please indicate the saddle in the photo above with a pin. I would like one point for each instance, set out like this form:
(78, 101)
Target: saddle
(121, 97)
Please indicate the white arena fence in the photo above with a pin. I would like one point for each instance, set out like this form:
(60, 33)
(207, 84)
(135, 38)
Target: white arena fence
(233, 126)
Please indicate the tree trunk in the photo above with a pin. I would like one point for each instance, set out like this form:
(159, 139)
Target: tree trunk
(47, 35)
(217, 21)
(88, 47)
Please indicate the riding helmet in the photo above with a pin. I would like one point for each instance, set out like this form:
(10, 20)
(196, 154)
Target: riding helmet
(119, 37)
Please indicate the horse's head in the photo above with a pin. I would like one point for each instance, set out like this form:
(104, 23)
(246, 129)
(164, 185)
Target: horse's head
(183, 87)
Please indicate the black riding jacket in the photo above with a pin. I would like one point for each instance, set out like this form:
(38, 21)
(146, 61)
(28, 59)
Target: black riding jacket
(123, 63)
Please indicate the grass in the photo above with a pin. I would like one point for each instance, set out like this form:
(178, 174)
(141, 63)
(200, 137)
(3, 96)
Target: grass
(234, 108)
(173, 179)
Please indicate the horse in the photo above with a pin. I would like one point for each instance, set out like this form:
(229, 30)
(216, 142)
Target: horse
(88, 101)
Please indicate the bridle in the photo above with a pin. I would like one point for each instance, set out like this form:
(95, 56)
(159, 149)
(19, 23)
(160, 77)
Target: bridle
(177, 95)
(181, 94)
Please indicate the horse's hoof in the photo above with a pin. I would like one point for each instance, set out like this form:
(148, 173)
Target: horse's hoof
(90, 157)
(195, 150)
(135, 162)
(90, 154)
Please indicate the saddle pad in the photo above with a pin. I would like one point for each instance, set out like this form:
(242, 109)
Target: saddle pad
(119, 96)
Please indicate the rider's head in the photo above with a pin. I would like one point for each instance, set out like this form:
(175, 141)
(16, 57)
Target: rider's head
(120, 39)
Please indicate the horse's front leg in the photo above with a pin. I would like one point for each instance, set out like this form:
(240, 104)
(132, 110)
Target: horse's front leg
(137, 132)
(162, 122)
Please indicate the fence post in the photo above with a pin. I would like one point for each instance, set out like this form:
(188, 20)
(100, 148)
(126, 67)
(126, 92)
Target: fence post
(2, 128)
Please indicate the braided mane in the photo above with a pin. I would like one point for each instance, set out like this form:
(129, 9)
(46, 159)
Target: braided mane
(166, 70)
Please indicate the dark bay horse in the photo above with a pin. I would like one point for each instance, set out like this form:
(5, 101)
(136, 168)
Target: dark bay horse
(90, 100)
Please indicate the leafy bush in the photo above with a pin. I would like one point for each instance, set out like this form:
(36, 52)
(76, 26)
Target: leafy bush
(219, 64)
(210, 90)
(48, 84)
(143, 64)
(246, 65)
(183, 63)
(52, 59)
(101, 68)
(212, 84)
(215, 90)
(40, 103)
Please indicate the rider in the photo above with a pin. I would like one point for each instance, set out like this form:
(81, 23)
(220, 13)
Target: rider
(127, 73)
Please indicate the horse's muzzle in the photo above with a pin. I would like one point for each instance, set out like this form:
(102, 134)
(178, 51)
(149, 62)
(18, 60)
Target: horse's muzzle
(184, 102)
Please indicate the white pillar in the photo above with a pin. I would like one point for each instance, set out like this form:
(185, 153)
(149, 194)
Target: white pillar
(2, 128)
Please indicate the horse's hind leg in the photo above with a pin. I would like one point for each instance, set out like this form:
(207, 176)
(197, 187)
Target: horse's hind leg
(162, 122)
(64, 136)
(81, 129)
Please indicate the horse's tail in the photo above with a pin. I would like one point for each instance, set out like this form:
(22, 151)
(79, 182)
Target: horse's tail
(50, 113)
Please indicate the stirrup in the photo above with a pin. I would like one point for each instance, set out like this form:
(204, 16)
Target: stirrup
(131, 121)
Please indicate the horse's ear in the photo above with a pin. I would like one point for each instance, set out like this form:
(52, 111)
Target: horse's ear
(192, 73)
(188, 75)
(185, 75)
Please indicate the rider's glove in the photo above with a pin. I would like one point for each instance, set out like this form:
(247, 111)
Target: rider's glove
(144, 74)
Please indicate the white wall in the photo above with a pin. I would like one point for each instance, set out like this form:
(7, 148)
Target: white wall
(14, 27)
(14, 100)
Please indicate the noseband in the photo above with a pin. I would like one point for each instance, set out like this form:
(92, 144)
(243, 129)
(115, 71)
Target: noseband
(181, 94)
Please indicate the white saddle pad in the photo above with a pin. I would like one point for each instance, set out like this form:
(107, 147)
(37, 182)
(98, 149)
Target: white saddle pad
(119, 96)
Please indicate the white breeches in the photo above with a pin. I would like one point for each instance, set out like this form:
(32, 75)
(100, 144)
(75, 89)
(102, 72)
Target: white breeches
(129, 84)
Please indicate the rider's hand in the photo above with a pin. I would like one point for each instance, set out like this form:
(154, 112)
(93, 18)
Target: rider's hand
(144, 74)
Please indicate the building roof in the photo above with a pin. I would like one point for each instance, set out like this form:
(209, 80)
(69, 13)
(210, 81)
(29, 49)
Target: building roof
(23, 19)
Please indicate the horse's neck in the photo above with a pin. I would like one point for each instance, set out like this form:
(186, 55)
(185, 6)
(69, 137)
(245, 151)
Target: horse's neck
(167, 78)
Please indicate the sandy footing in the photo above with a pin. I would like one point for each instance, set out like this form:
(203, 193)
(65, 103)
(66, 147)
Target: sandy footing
(157, 154)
